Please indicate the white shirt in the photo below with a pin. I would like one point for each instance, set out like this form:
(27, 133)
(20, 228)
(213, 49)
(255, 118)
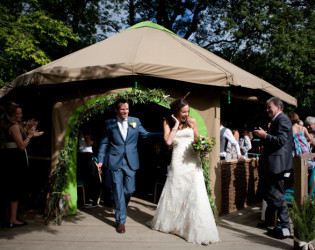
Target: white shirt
(245, 144)
(83, 146)
(121, 124)
(276, 116)
(229, 136)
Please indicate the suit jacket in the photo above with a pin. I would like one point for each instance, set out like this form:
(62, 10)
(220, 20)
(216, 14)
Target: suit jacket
(112, 142)
(278, 147)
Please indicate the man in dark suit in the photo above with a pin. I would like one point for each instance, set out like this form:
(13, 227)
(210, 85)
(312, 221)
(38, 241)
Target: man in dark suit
(120, 139)
(277, 163)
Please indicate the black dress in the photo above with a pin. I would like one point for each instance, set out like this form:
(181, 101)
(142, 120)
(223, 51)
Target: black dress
(14, 170)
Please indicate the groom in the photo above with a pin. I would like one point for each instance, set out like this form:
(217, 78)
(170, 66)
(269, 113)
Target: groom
(119, 139)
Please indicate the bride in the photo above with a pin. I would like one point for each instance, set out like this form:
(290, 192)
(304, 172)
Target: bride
(184, 207)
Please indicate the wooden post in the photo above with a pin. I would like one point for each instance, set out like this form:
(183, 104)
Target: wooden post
(301, 178)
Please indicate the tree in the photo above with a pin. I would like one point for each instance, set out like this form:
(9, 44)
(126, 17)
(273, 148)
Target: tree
(271, 39)
(182, 17)
(28, 39)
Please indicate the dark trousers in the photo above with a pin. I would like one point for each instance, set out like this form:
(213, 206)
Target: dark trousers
(274, 194)
(87, 171)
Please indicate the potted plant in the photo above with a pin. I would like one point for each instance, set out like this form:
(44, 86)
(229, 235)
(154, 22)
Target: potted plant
(303, 220)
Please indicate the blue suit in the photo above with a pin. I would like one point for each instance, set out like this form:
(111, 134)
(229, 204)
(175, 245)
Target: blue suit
(123, 160)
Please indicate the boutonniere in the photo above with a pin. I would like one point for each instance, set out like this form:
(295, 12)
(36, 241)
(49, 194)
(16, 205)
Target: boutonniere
(133, 124)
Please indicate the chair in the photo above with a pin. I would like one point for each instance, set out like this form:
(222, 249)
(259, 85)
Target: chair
(289, 193)
(80, 184)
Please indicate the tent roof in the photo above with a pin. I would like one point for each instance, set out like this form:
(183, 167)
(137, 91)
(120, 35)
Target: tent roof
(146, 49)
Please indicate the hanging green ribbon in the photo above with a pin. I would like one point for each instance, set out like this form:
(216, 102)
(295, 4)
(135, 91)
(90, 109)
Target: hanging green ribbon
(229, 97)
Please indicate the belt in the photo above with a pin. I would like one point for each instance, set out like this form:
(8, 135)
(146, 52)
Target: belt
(10, 145)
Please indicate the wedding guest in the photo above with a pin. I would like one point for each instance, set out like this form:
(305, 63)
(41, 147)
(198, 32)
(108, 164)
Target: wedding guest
(17, 140)
(184, 208)
(236, 134)
(87, 169)
(312, 144)
(300, 136)
(310, 123)
(277, 161)
(245, 143)
(226, 137)
(120, 140)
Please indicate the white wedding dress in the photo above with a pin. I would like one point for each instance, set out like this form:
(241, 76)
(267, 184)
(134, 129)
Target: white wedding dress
(184, 207)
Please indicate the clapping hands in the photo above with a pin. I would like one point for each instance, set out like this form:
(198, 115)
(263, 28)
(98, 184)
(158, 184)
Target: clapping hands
(31, 127)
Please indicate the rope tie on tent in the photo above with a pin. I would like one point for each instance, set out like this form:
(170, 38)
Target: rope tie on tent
(81, 97)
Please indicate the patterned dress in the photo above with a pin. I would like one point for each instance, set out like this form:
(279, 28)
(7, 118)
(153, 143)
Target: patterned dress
(301, 146)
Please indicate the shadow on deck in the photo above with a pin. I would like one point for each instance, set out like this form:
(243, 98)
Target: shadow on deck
(94, 228)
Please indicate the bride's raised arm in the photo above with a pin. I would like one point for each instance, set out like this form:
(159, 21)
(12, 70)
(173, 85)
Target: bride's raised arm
(169, 133)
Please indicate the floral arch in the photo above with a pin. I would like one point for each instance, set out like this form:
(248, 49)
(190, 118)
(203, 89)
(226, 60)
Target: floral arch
(63, 179)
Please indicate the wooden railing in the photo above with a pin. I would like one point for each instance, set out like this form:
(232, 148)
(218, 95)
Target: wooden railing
(301, 177)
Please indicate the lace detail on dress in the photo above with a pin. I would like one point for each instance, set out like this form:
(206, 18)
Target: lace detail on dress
(184, 208)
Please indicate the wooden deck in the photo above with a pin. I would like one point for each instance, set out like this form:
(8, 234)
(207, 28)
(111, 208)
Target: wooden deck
(93, 228)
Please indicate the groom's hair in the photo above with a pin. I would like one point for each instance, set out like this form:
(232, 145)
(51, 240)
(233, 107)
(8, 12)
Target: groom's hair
(118, 101)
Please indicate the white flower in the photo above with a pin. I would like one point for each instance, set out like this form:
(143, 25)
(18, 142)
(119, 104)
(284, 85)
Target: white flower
(133, 124)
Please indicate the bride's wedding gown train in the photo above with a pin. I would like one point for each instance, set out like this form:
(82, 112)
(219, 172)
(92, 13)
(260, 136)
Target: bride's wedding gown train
(184, 207)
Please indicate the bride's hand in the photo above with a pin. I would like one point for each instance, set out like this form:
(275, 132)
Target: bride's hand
(205, 154)
(175, 120)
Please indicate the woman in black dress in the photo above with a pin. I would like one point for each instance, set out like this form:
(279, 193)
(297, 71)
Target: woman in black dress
(17, 138)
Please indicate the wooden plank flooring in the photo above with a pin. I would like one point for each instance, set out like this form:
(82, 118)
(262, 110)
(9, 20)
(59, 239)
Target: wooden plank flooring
(93, 228)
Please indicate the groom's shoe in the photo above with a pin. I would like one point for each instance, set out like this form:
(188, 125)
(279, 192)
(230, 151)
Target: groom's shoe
(121, 228)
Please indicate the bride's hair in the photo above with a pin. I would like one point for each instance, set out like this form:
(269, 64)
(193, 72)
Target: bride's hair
(176, 106)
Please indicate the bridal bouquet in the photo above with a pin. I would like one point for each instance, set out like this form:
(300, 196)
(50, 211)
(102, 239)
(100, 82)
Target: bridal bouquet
(204, 145)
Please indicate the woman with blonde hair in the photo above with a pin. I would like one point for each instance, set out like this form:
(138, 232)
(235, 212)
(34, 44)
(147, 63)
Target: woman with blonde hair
(17, 138)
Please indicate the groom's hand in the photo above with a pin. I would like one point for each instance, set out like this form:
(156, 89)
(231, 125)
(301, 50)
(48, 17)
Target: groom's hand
(99, 167)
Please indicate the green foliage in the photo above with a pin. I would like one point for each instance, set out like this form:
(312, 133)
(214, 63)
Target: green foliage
(274, 40)
(303, 220)
(206, 174)
(202, 145)
(25, 38)
(82, 16)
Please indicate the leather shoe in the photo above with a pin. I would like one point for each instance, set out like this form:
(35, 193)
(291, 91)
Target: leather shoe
(121, 228)
(278, 233)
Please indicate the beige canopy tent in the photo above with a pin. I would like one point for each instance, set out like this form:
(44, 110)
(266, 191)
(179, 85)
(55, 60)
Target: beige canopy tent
(145, 50)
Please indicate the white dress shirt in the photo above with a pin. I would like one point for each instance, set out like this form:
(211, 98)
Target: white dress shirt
(123, 127)
(229, 136)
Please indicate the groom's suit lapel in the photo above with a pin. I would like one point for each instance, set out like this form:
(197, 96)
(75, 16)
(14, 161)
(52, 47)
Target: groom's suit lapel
(130, 129)
(115, 127)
